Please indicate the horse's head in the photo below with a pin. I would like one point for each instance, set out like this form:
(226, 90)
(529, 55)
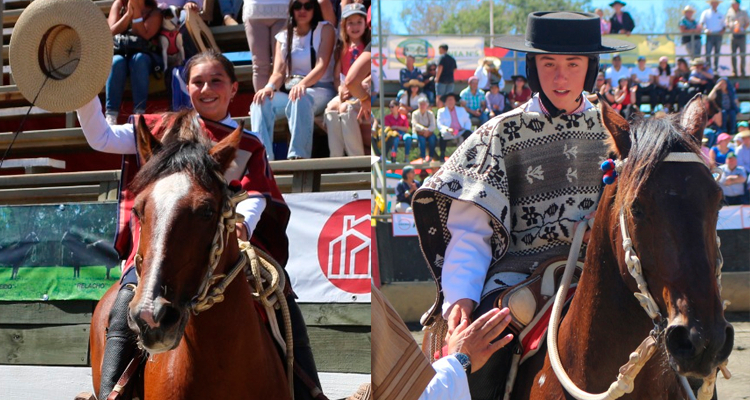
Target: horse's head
(180, 197)
(670, 206)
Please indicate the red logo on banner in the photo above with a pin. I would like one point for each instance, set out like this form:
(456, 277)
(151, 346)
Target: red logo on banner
(344, 248)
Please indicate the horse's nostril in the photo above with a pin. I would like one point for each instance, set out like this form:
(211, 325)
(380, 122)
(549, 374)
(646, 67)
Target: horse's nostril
(726, 348)
(171, 316)
(678, 341)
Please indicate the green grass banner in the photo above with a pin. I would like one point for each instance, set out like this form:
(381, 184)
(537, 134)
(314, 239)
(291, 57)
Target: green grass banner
(57, 252)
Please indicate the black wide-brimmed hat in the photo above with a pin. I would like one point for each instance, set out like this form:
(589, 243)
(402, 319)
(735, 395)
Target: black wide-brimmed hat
(514, 77)
(549, 32)
(612, 4)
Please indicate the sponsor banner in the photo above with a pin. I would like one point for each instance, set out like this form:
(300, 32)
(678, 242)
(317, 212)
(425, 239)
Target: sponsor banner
(466, 50)
(57, 252)
(330, 258)
(403, 225)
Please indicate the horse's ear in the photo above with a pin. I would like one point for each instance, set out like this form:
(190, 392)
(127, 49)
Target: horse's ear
(224, 151)
(147, 143)
(695, 117)
(619, 130)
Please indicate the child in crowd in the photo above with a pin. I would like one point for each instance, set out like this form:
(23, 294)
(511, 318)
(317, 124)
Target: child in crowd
(495, 100)
(397, 127)
(344, 134)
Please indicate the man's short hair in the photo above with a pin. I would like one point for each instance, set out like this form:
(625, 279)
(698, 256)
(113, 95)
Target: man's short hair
(443, 46)
(409, 55)
(393, 103)
(423, 100)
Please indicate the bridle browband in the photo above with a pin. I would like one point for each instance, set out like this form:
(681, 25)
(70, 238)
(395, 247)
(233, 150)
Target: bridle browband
(637, 360)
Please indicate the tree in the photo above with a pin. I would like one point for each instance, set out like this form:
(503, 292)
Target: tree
(509, 16)
(426, 17)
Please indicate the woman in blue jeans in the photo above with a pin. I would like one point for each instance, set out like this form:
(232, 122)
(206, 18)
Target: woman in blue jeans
(139, 19)
(302, 81)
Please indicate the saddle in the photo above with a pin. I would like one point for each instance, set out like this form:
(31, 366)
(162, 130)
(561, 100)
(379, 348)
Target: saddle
(528, 299)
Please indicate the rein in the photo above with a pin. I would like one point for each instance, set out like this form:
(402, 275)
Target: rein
(637, 360)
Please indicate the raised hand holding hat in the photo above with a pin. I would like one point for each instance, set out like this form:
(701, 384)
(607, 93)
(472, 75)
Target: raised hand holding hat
(61, 53)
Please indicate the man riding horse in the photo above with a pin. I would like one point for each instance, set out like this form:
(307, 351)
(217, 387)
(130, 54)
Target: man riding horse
(509, 197)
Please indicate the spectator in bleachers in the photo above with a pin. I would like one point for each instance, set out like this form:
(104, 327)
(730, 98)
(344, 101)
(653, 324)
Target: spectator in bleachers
(724, 96)
(719, 152)
(453, 122)
(680, 81)
(732, 181)
(624, 97)
(712, 23)
(705, 151)
(341, 112)
(521, 92)
(616, 71)
(691, 32)
(701, 77)
(643, 81)
(230, 11)
(413, 94)
(396, 128)
(621, 21)
(134, 24)
(664, 85)
(472, 99)
(423, 125)
(737, 22)
(429, 81)
(302, 81)
(263, 20)
(603, 23)
(405, 189)
(444, 75)
(603, 88)
(488, 72)
(495, 100)
(409, 72)
(743, 150)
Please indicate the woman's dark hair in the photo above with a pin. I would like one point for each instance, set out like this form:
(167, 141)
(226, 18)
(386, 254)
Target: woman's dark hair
(291, 24)
(210, 55)
(393, 103)
(408, 94)
(668, 69)
(682, 60)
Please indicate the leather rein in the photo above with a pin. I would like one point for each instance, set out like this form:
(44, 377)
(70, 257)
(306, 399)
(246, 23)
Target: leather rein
(637, 360)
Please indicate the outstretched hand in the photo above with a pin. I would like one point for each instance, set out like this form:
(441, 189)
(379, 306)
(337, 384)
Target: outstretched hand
(475, 340)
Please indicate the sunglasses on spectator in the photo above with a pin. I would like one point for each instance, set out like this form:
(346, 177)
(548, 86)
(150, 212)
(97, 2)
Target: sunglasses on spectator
(298, 6)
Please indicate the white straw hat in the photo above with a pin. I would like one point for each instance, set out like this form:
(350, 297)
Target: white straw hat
(65, 45)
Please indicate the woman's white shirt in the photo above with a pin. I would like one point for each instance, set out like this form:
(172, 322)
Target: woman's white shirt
(301, 63)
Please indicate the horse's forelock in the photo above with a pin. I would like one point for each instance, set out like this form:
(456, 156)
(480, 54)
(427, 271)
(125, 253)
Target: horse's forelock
(178, 156)
(653, 139)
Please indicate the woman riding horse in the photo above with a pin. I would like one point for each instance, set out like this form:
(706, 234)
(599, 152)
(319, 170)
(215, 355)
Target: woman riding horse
(508, 199)
(212, 85)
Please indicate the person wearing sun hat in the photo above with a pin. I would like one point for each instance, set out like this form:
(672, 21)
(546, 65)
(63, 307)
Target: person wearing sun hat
(719, 152)
(410, 99)
(691, 32)
(463, 212)
(621, 21)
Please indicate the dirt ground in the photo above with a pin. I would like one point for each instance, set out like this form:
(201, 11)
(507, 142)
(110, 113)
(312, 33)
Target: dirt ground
(737, 388)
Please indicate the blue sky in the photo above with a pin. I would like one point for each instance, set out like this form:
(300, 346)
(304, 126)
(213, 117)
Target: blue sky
(392, 8)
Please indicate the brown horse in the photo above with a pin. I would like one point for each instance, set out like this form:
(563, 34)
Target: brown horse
(671, 210)
(222, 353)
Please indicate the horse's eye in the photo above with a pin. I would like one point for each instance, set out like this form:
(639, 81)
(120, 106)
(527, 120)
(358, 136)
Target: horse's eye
(206, 212)
(637, 211)
(137, 214)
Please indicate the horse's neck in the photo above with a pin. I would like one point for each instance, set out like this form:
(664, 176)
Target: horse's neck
(604, 317)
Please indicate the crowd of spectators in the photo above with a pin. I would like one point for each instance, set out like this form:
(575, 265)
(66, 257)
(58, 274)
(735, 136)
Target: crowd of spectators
(299, 64)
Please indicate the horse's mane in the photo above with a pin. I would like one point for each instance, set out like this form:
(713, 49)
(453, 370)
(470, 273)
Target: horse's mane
(184, 147)
(652, 140)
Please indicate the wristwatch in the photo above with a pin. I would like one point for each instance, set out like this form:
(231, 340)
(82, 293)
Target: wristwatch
(465, 362)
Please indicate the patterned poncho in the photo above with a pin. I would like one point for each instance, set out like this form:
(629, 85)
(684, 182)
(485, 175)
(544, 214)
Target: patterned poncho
(535, 175)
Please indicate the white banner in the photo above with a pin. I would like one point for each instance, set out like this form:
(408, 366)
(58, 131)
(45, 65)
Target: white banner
(466, 50)
(330, 258)
(403, 225)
